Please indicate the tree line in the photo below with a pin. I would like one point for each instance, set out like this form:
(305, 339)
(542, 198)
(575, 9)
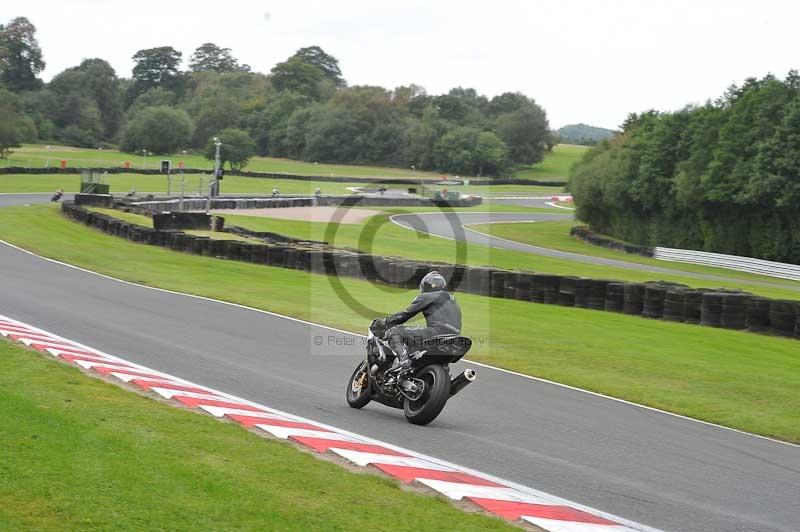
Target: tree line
(721, 177)
(302, 109)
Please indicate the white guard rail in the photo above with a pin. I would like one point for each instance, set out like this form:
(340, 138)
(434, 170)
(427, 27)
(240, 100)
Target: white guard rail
(731, 262)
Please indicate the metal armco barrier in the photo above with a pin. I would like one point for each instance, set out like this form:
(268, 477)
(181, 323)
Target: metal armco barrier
(732, 262)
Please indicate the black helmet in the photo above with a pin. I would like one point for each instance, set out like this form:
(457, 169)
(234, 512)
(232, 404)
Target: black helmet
(432, 282)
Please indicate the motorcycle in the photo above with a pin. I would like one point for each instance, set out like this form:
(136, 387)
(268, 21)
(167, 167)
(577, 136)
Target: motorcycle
(423, 391)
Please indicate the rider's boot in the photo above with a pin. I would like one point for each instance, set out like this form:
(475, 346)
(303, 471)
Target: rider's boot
(399, 348)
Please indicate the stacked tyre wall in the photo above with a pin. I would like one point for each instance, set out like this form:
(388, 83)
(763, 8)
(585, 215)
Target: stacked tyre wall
(653, 300)
(193, 204)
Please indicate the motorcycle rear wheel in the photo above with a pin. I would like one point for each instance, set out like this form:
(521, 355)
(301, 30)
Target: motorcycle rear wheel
(358, 393)
(434, 396)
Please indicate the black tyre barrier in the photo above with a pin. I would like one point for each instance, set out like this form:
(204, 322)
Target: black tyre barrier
(498, 282)
(653, 301)
(734, 311)
(582, 289)
(633, 299)
(783, 317)
(797, 323)
(524, 282)
(615, 297)
(303, 259)
(478, 281)
(457, 281)
(597, 293)
(200, 245)
(277, 256)
(758, 314)
(674, 304)
(711, 309)
(420, 270)
(511, 289)
(291, 259)
(545, 287)
(233, 249)
(566, 291)
(586, 234)
(123, 230)
(260, 254)
(692, 304)
(317, 262)
(367, 264)
(217, 248)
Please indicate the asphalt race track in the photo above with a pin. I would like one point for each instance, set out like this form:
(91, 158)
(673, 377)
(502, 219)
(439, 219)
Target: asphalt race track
(10, 200)
(650, 467)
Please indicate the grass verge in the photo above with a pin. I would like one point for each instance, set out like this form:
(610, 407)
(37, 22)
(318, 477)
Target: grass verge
(556, 164)
(738, 379)
(82, 454)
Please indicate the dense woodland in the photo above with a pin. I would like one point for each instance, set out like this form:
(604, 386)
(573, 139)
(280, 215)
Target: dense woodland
(302, 109)
(722, 177)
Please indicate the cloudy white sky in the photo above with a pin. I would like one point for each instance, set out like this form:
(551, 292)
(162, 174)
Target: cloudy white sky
(591, 61)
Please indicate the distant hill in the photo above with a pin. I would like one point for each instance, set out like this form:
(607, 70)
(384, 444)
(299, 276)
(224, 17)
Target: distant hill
(584, 134)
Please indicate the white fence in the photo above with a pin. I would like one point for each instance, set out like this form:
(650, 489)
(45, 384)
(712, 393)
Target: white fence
(732, 262)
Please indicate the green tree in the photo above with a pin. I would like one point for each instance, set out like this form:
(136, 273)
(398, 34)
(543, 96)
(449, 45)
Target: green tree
(15, 126)
(88, 97)
(301, 78)
(160, 130)
(216, 113)
(526, 133)
(491, 155)
(20, 56)
(455, 151)
(211, 57)
(269, 126)
(236, 150)
(155, 67)
(326, 63)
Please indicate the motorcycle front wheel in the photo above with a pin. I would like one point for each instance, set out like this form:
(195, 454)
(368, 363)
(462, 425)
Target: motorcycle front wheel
(358, 394)
(434, 396)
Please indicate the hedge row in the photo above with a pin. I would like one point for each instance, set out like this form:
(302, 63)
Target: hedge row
(655, 300)
(273, 175)
(584, 233)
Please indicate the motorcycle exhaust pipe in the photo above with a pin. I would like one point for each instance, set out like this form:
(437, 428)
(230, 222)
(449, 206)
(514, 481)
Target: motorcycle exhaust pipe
(461, 381)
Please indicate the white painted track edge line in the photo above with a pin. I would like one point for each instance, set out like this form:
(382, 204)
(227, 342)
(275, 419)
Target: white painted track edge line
(553, 204)
(487, 366)
(556, 500)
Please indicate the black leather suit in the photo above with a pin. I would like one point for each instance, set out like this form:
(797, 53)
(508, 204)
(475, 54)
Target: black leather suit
(442, 315)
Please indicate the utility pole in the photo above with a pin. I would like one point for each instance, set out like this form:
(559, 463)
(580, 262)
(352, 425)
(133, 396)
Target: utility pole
(217, 144)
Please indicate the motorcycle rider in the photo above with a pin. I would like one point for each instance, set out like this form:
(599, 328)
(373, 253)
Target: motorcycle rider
(442, 315)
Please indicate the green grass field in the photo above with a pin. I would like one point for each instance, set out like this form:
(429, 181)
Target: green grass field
(742, 380)
(555, 235)
(82, 454)
(194, 184)
(555, 164)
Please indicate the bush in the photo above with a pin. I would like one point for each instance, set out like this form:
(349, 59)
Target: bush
(160, 130)
(236, 150)
(75, 136)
